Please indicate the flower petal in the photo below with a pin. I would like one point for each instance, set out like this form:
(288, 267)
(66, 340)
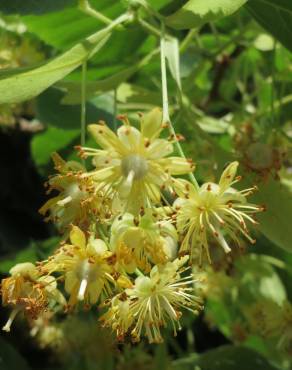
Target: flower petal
(130, 137)
(105, 137)
(228, 176)
(176, 165)
(151, 124)
(77, 237)
(159, 148)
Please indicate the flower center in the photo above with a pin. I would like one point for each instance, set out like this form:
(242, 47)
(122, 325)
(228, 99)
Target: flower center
(136, 164)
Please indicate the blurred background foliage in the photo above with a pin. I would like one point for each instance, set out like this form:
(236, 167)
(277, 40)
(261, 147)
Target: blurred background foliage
(230, 96)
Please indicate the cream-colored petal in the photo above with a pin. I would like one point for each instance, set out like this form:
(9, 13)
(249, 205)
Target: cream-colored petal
(184, 187)
(156, 174)
(151, 123)
(24, 269)
(228, 176)
(71, 282)
(105, 137)
(103, 159)
(50, 203)
(49, 281)
(154, 193)
(176, 165)
(77, 237)
(97, 246)
(94, 291)
(58, 161)
(105, 174)
(159, 148)
(130, 137)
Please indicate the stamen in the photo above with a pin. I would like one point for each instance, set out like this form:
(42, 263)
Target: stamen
(12, 316)
(82, 289)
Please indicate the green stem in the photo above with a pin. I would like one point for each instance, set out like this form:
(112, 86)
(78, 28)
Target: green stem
(187, 40)
(83, 103)
(165, 106)
(138, 272)
(86, 8)
(273, 85)
(115, 110)
(152, 29)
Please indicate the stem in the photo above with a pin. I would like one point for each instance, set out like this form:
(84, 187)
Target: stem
(215, 33)
(115, 110)
(165, 107)
(138, 272)
(149, 27)
(83, 103)
(187, 40)
(273, 85)
(152, 29)
(165, 117)
(86, 8)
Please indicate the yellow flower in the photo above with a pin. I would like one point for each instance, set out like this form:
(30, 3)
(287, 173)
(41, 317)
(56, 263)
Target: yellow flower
(26, 290)
(118, 316)
(153, 302)
(79, 196)
(86, 266)
(139, 241)
(135, 164)
(214, 211)
(272, 321)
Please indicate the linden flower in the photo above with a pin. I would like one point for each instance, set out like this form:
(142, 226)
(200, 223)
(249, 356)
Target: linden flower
(85, 264)
(137, 241)
(79, 196)
(214, 210)
(135, 164)
(27, 291)
(153, 302)
(118, 317)
(272, 320)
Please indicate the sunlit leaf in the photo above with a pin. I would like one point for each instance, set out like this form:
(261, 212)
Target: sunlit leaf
(23, 85)
(197, 12)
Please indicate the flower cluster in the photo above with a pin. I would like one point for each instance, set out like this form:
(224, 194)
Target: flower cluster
(131, 229)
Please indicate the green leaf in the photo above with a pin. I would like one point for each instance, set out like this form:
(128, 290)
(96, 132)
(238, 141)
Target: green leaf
(24, 85)
(10, 359)
(51, 140)
(275, 16)
(52, 111)
(275, 223)
(34, 6)
(53, 29)
(36, 251)
(25, 255)
(93, 88)
(197, 12)
(232, 358)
